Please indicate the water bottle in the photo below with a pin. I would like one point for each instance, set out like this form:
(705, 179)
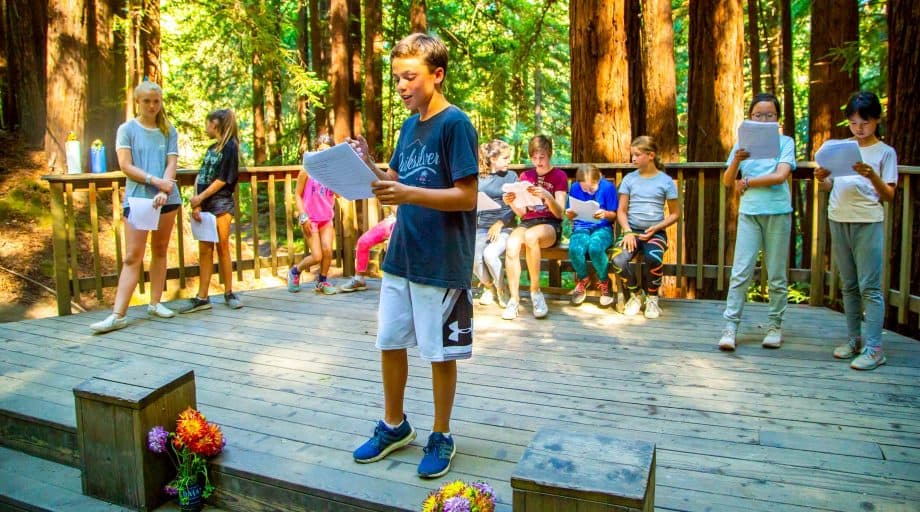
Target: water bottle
(97, 163)
(73, 154)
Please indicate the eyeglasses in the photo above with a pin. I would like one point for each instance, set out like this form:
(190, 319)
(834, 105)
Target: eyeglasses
(764, 117)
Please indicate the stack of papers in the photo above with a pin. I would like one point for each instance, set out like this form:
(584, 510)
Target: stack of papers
(839, 157)
(484, 202)
(761, 140)
(584, 210)
(522, 197)
(341, 170)
(206, 230)
(143, 216)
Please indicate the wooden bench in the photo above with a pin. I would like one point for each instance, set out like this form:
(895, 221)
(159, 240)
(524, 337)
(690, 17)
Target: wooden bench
(115, 411)
(587, 472)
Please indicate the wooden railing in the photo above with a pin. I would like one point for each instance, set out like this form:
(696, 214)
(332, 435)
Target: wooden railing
(701, 242)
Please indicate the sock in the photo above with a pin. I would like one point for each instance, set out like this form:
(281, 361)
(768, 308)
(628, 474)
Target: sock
(321, 279)
(393, 427)
(295, 270)
(446, 434)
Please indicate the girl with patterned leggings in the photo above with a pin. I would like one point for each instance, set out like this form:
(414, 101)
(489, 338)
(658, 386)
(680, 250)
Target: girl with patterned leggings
(641, 214)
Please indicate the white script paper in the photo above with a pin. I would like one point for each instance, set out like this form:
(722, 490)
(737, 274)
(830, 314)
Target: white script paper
(761, 140)
(143, 215)
(206, 230)
(839, 156)
(341, 170)
(484, 202)
(522, 197)
(584, 210)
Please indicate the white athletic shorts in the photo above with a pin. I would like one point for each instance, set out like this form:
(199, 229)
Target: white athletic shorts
(439, 321)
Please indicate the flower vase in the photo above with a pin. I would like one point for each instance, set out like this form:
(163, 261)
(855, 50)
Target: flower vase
(190, 499)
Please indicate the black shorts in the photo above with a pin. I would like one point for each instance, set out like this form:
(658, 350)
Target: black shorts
(166, 208)
(553, 222)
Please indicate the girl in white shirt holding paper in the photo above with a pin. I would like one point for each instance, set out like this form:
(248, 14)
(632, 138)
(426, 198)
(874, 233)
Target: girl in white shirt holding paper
(856, 218)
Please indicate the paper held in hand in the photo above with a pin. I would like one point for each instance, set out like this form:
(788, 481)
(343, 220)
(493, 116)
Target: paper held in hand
(206, 230)
(484, 203)
(839, 157)
(522, 196)
(342, 171)
(143, 216)
(584, 210)
(761, 140)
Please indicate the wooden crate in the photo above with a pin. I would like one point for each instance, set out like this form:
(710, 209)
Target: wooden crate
(114, 413)
(584, 472)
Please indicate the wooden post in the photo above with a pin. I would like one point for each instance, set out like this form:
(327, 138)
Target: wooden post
(59, 246)
(289, 216)
(238, 235)
(254, 217)
(94, 228)
(567, 470)
(272, 224)
(720, 276)
(73, 247)
(819, 238)
(681, 282)
(349, 238)
(700, 222)
(114, 413)
(907, 229)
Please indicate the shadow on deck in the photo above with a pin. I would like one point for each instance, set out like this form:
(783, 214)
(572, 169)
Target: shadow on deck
(294, 381)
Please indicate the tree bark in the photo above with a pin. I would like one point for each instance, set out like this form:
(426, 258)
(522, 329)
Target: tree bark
(715, 92)
(303, 58)
(319, 58)
(10, 115)
(66, 79)
(373, 82)
(836, 23)
(753, 30)
(354, 47)
(770, 21)
(788, 68)
(259, 150)
(105, 108)
(150, 41)
(658, 77)
(26, 42)
(418, 16)
(340, 71)
(600, 81)
(636, 64)
(273, 113)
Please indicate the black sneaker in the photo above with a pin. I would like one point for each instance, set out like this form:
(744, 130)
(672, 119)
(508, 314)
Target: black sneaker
(195, 304)
(232, 301)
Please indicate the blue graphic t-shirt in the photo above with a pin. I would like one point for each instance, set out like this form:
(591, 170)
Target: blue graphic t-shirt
(428, 246)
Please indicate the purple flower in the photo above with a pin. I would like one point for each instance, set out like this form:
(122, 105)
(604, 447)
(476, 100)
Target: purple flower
(157, 439)
(484, 488)
(457, 504)
(170, 490)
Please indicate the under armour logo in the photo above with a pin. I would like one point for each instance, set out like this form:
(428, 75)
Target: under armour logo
(456, 331)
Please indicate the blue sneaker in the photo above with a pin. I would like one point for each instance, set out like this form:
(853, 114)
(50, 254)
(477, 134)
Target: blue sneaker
(384, 442)
(438, 454)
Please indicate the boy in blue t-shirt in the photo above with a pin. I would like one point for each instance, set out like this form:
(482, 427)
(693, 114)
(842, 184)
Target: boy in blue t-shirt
(425, 297)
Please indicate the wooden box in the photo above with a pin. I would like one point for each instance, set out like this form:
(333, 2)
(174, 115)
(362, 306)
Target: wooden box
(114, 413)
(584, 472)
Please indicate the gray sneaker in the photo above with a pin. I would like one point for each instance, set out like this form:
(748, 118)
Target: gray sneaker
(112, 322)
(511, 310)
(870, 359)
(540, 309)
(159, 310)
(850, 349)
(232, 301)
(354, 285)
(633, 305)
(195, 304)
(774, 338)
(727, 341)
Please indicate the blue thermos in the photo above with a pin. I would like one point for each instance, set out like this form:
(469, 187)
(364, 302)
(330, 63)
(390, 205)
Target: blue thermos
(97, 157)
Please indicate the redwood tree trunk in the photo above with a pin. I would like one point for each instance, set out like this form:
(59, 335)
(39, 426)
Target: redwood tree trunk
(354, 47)
(753, 31)
(836, 23)
(259, 151)
(26, 41)
(373, 81)
(319, 58)
(340, 70)
(105, 109)
(636, 64)
(715, 92)
(150, 41)
(788, 69)
(303, 57)
(658, 77)
(600, 81)
(66, 78)
(418, 16)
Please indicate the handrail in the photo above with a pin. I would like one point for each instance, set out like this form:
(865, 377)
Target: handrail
(699, 264)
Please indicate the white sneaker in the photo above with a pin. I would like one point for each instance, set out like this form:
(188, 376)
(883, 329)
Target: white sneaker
(487, 298)
(160, 310)
(633, 305)
(540, 309)
(774, 338)
(111, 323)
(511, 310)
(727, 341)
(651, 307)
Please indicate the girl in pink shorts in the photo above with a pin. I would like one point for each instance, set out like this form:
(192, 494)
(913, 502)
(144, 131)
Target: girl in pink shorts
(376, 235)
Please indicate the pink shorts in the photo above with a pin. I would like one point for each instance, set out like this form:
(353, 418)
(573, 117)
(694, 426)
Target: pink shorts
(316, 226)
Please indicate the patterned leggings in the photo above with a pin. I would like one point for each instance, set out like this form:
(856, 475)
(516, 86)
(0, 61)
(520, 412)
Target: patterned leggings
(653, 253)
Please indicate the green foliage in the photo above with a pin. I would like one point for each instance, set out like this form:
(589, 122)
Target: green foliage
(798, 293)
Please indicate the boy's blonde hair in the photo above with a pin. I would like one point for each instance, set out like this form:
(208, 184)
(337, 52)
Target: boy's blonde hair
(540, 143)
(588, 173)
(431, 49)
(227, 128)
(647, 144)
(147, 86)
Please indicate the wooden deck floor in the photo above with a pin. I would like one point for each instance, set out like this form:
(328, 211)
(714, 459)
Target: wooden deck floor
(294, 380)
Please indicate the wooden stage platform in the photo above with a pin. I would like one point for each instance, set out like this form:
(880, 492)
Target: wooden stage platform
(294, 381)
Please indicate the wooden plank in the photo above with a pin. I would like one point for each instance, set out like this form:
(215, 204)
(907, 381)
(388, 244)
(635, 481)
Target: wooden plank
(886, 252)
(700, 222)
(272, 224)
(254, 194)
(907, 225)
(289, 218)
(237, 230)
(820, 444)
(720, 280)
(681, 234)
(818, 247)
(180, 245)
(94, 233)
(59, 248)
(117, 226)
(74, 248)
